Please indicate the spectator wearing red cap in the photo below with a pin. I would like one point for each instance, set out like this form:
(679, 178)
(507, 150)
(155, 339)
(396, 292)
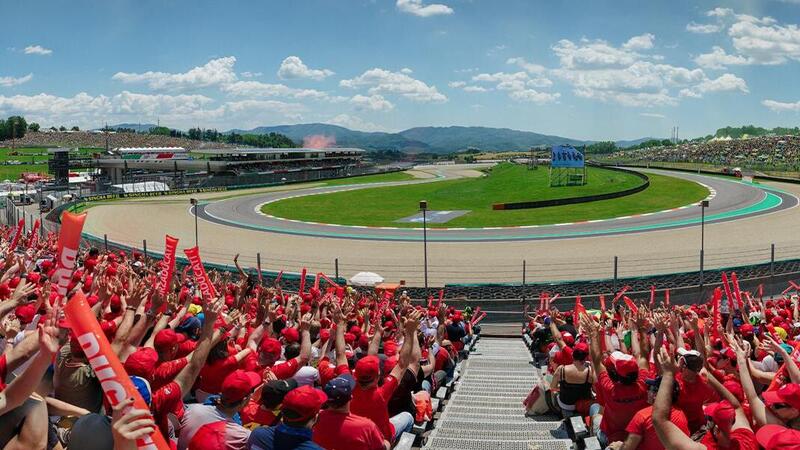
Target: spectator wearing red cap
(573, 382)
(641, 433)
(270, 350)
(622, 390)
(695, 390)
(300, 412)
(338, 428)
(220, 364)
(370, 400)
(456, 331)
(166, 343)
(236, 391)
(777, 437)
(730, 427)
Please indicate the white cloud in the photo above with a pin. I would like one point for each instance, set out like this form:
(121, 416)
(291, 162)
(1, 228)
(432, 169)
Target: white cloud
(718, 59)
(763, 41)
(505, 81)
(353, 123)
(467, 70)
(597, 70)
(703, 28)
(12, 81)
(373, 102)
(533, 96)
(475, 89)
(653, 115)
(720, 12)
(527, 66)
(251, 74)
(417, 8)
(592, 54)
(215, 72)
(641, 42)
(406, 71)
(382, 81)
(457, 84)
(259, 89)
(293, 67)
(178, 110)
(781, 106)
(37, 50)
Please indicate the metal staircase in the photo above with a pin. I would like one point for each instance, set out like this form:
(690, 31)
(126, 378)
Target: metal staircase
(485, 410)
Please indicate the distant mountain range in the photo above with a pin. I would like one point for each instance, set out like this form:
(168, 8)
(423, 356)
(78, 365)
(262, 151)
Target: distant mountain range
(417, 140)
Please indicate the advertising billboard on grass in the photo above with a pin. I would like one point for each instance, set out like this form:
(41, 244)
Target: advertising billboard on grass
(566, 156)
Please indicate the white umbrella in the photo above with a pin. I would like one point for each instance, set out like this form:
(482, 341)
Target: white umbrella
(366, 279)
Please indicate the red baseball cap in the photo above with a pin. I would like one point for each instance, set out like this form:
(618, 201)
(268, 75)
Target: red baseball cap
(624, 364)
(390, 348)
(25, 313)
(167, 338)
(367, 369)
(721, 413)
(142, 363)
(211, 436)
(788, 393)
(271, 345)
(290, 335)
(239, 384)
(301, 404)
(581, 347)
(778, 437)
(569, 339)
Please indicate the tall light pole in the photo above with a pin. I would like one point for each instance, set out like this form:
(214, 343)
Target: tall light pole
(193, 201)
(703, 206)
(423, 206)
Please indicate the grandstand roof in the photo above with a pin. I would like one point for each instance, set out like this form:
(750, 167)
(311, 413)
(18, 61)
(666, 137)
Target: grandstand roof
(256, 151)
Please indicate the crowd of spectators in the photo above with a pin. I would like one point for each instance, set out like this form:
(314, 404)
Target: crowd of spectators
(775, 151)
(710, 375)
(86, 139)
(254, 368)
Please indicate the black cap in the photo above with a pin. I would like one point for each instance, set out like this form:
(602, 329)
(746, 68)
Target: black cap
(273, 392)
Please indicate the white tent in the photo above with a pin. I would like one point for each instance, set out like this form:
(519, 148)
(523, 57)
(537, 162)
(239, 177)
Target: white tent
(366, 279)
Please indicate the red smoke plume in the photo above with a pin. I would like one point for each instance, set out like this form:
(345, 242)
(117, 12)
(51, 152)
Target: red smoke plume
(319, 141)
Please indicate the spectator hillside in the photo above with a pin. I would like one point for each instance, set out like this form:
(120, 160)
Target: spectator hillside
(756, 152)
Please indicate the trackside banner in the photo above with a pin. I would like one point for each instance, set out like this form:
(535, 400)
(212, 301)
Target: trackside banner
(68, 242)
(167, 265)
(566, 156)
(114, 381)
(94, 198)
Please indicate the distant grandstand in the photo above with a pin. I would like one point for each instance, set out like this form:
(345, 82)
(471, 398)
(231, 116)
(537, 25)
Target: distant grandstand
(776, 152)
(225, 166)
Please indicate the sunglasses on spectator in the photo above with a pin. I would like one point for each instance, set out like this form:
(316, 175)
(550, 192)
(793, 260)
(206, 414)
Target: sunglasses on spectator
(777, 406)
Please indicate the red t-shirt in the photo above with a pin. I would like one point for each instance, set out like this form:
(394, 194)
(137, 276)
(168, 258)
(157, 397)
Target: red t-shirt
(692, 398)
(642, 424)
(621, 403)
(441, 359)
(167, 371)
(284, 370)
(373, 403)
(327, 371)
(212, 375)
(186, 347)
(254, 413)
(3, 372)
(339, 431)
(167, 400)
(741, 439)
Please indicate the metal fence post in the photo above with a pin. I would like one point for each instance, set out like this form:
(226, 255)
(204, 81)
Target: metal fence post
(258, 262)
(144, 248)
(105, 241)
(772, 262)
(524, 269)
(616, 266)
(336, 267)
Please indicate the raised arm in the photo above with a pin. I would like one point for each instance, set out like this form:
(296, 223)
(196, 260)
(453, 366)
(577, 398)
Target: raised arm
(186, 377)
(761, 414)
(668, 433)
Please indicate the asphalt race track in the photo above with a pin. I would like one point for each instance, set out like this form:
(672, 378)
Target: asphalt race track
(742, 224)
(729, 200)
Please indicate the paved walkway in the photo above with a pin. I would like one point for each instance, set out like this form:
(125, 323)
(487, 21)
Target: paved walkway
(486, 411)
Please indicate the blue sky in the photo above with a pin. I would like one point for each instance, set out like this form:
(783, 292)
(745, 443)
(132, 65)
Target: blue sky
(584, 69)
